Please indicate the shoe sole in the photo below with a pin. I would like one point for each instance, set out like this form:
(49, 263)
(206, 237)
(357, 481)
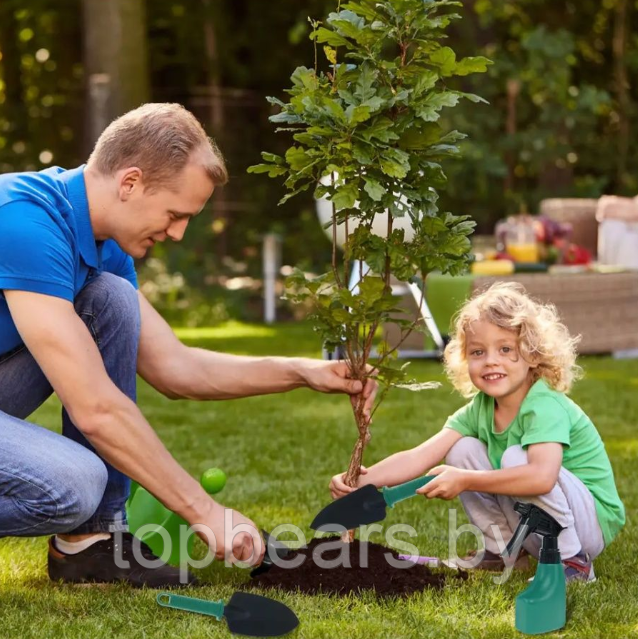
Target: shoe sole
(62, 571)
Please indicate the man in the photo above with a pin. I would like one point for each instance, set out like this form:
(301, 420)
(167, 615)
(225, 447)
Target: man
(73, 323)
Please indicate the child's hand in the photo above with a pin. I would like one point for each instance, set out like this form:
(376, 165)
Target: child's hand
(339, 489)
(449, 483)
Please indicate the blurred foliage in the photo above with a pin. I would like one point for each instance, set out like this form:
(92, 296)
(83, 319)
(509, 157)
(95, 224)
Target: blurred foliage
(184, 305)
(569, 119)
(40, 84)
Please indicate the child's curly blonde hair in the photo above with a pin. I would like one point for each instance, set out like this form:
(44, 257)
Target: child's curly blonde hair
(543, 340)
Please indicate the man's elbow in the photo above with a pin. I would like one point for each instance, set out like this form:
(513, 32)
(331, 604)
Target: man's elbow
(98, 415)
(169, 386)
(171, 394)
(168, 373)
(163, 384)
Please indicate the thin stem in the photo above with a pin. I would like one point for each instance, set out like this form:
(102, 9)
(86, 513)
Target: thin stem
(404, 51)
(387, 254)
(314, 24)
(361, 276)
(334, 237)
(346, 261)
(405, 333)
(351, 355)
(364, 356)
(380, 398)
(370, 339)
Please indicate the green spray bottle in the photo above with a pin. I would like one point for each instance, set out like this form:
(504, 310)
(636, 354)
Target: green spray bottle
(543, 606)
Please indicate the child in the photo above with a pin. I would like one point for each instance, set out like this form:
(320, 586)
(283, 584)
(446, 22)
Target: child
(519, 439)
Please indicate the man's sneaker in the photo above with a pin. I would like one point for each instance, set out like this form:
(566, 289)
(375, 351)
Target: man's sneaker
(494, 563)
(97, 564)
(579, 568)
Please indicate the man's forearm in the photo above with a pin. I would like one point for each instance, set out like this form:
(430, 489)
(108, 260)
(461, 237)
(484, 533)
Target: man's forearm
(123, 437)
(206, 375)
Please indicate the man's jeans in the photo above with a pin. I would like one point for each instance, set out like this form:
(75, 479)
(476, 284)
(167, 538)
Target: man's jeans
(51, 483)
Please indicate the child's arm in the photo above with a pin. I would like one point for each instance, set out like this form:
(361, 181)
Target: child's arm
(537, 477)
(403, 466)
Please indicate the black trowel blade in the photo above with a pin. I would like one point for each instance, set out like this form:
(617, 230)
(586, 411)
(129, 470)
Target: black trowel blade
(363, 506)
(257, 616)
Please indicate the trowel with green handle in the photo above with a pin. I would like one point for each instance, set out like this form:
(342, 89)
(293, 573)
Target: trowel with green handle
(365, 506)
(245, 613)
(274, 549)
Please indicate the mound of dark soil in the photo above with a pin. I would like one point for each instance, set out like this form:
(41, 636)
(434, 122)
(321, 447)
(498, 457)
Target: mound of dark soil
(332, 567)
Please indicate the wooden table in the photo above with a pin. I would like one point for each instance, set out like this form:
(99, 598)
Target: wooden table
(600, 307)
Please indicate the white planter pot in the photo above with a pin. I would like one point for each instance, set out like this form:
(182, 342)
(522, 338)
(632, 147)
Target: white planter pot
(379, 226)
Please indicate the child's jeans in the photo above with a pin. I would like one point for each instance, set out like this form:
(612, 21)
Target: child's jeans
(569, 502)
(51, 483)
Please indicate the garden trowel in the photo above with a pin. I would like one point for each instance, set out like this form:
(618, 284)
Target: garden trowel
(365, 505)
(245, 613)
(274, 548)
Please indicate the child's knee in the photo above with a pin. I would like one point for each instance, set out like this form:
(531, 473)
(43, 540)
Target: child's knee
(463, 451)
(514, 456)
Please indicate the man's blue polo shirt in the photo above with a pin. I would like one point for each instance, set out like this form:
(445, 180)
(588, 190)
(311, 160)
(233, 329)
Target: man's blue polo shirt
(47, 243)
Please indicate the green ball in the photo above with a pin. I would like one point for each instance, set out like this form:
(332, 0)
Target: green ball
(213, 480)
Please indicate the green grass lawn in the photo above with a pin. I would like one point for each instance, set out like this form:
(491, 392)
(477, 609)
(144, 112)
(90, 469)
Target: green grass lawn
(279, 453)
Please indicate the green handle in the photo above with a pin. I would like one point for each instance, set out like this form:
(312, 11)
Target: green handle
(404, 491)
(190, 604)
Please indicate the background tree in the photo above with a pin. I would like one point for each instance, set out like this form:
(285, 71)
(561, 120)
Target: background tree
(115, 60)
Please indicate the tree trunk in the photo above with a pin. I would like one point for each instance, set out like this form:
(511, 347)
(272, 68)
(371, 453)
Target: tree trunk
(11, 74)
(115, 60)
(354, 468)
(555, 181)
(513, 90)
(217, 121)
(621, 82)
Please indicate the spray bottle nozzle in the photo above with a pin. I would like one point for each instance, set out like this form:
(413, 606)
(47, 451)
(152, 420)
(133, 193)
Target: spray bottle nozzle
(533, 520)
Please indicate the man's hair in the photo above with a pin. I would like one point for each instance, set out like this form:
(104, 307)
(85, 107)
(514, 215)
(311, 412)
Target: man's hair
(542, 338)
(160, 139)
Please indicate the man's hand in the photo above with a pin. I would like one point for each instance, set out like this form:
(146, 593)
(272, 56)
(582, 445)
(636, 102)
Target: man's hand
(246, 546)
(449, 483)
(333, 377)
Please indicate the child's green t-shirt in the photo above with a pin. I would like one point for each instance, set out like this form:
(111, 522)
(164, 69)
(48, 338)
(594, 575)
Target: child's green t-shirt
(549, 416)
